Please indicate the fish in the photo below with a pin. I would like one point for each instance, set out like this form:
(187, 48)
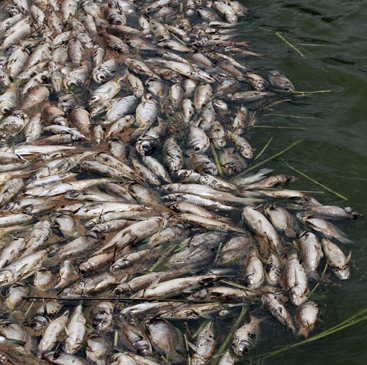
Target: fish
(258, 223)
(245, 338)
(336, 259)
(306, 317)
(205, 345)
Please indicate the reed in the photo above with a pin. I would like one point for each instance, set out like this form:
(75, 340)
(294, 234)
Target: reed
(264, 149)
(216, 160)
(313, 180)
(286, 41)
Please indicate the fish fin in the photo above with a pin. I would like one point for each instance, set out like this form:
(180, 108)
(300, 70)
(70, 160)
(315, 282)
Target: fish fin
(14, 342)
(154, 283)
(192, 346)
(302, 332)
(253, 318)
(314, 276)
(293, 329)
(208, 316)
(344, 239)
(290, 232)
(349, 256)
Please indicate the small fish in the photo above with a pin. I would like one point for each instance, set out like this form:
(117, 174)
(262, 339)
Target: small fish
(245, 338)
(306, 317)
(205, 345)
(336, 259)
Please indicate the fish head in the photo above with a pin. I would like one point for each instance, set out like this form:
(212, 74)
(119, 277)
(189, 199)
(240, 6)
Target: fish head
(6, 277)
(342, 273)
(244, 346)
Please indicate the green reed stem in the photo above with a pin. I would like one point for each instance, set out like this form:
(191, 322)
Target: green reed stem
(163, 257)
(216, 160)
(265, 147)
(218, 252)
(313, 180)
(289, 116)
(318, 284)
(279, 127)
(290, 44)
(203, 324)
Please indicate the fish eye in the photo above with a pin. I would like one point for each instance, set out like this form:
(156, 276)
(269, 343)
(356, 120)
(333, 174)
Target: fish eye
(44, 78)
(197, 149)
(102, 77)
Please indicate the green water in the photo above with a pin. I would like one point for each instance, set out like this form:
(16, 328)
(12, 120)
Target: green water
(333, 151)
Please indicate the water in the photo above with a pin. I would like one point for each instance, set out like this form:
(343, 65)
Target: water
(333, 149)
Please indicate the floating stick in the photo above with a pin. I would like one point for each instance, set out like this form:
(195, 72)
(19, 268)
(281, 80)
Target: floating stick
(187, 350)
(313, 180)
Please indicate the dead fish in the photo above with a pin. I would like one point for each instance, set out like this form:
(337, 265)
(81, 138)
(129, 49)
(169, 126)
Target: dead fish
(258, 223)
(324, 227)
(281, 219)
(336, 259)
(204, 346)
(245, 338)
(311, 252)
(306, 317)
(278, 310)
(279, 81)
(295, 280)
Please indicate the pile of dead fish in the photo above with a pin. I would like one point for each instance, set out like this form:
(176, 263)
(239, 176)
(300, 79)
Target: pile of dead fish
(122, 125)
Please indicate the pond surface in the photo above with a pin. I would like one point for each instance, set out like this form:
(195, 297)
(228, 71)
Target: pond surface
(331, 35)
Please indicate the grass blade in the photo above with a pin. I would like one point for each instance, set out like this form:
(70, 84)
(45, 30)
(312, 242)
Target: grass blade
(267, 160)
(265, 147)
(163, 257)
(313, 180)
(290, 44)
(279, 127)
(216, 160)
(289, 116)
(318, 284)
(204, 323)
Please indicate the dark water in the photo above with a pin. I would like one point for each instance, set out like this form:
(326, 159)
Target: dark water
(333, 150)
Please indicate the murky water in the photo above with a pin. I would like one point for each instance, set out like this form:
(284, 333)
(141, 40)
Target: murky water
(333, 150)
